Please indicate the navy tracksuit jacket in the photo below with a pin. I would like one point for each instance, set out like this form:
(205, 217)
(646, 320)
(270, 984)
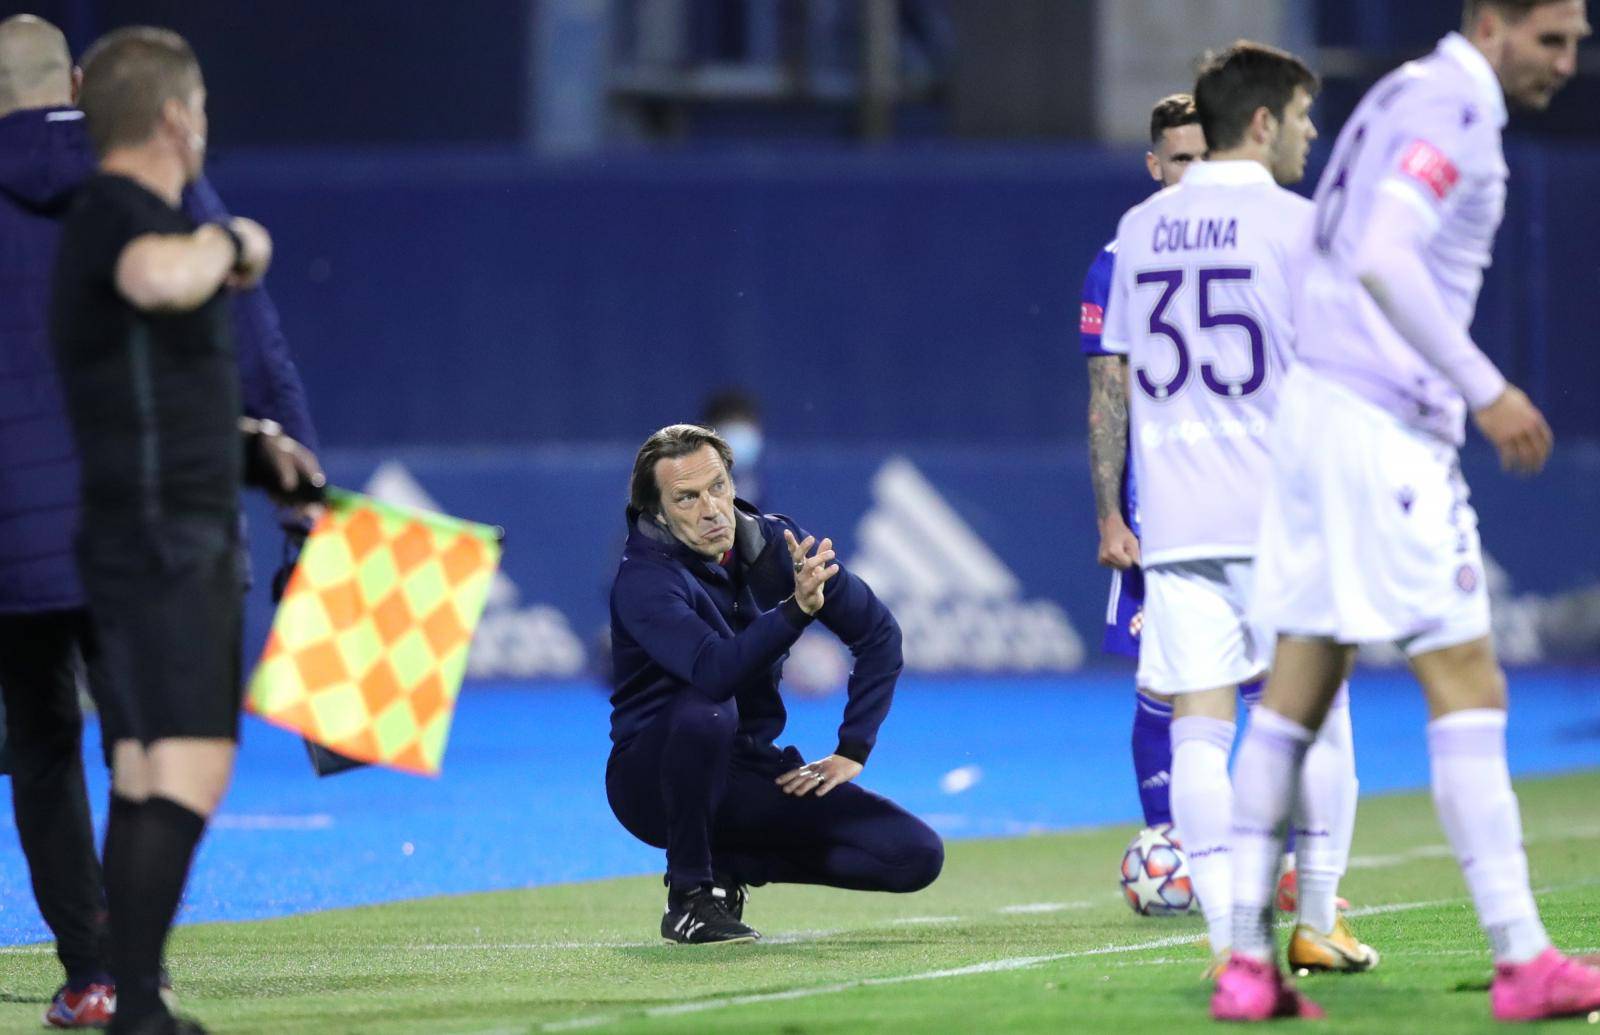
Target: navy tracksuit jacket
(698, 650)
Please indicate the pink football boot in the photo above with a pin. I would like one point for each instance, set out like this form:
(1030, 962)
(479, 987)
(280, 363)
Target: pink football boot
(1249, 990)
(1550, 985)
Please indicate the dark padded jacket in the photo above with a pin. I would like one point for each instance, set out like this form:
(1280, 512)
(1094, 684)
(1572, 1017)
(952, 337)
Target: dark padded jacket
(44, 155)
(683, 624)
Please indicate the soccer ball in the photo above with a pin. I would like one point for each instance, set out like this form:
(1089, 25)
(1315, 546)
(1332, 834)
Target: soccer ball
(1155, 874)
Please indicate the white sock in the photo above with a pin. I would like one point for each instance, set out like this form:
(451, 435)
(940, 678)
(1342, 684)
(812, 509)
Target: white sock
(1202, 810)
(1325, 816)
(1266, 774)
(1478, 810)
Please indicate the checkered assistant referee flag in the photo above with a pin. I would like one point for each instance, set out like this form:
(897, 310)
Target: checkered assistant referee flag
(370, 641)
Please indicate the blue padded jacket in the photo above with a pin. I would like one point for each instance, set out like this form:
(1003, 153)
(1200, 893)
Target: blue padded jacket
(44, 155)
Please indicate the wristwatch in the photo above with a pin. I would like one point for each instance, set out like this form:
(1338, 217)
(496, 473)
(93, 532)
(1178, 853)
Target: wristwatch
(239, 265)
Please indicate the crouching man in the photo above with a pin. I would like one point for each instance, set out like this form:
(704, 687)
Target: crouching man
(708, 599)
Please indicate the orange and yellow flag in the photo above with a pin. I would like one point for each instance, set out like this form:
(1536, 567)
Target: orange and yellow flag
(370, 641)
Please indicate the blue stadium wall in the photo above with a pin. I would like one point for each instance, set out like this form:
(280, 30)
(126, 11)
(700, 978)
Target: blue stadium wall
(898, 297)
(495, 335)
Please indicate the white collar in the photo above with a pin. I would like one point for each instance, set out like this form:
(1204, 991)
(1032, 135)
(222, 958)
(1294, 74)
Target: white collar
(1235, 172)
(1459, 49)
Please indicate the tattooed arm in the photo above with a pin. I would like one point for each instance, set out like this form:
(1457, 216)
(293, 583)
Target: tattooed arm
(1108, 457)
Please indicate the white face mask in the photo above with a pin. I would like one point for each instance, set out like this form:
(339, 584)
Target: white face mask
(744, 439)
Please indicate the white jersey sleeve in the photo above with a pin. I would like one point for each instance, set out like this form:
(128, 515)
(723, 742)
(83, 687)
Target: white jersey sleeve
(1427, 135)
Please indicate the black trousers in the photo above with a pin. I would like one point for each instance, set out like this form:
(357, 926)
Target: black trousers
(680, 785)
(39, 662)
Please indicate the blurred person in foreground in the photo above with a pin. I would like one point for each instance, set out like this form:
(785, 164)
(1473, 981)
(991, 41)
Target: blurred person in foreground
(45, 154)
(709, 597)
(1367, 534)
(139, 319)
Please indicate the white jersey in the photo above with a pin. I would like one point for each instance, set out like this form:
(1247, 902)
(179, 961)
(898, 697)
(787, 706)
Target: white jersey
(1429, 132)
(1201, 304)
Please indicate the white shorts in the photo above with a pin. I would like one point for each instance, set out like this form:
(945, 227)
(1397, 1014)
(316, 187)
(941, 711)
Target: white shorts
(1367, 535)
(1197, 635)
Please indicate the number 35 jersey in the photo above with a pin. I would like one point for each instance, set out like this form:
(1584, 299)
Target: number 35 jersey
(1202, 305)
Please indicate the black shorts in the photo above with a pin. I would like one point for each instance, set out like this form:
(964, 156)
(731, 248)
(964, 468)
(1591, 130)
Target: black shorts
(166, 607)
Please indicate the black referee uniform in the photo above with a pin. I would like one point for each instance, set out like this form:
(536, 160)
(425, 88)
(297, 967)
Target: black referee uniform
(154, 402)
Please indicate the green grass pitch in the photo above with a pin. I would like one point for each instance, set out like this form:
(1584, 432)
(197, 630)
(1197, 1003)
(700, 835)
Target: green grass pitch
(1020, 935)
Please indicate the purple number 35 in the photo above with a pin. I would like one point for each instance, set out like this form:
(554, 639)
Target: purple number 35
(1172, 280)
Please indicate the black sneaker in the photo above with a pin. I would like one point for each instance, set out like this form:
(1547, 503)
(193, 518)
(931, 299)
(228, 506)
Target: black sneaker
(733, 894)
(700, 917)
(726, 887)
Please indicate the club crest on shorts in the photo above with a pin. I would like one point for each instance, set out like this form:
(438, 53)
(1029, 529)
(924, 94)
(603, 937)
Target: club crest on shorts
(1136, 623)
(1466, 578)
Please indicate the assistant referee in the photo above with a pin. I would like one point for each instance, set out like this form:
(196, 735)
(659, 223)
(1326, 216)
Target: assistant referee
(140, 324)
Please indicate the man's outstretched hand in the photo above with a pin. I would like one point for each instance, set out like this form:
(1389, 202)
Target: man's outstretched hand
(821, 776)
(810, 573)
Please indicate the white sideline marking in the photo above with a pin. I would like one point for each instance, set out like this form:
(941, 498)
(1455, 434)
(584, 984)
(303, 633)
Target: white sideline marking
(1380, 862)
(798, 937)
(573, 1025)
(1046, 907)
(990, 967)
(521, 946)
(1579, 832)
(790, 938)
(787, 938)
(1392, 907)
(249, 821)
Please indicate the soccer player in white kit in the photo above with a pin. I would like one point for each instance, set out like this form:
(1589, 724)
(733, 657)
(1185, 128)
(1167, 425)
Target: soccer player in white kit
(1201, 304)
(1367, 533)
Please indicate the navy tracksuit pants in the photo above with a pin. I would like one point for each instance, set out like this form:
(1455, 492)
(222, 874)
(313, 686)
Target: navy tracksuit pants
(680, 785)
(44, 729)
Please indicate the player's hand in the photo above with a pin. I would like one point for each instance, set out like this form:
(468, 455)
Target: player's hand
(286, 470)
(810, 572)
(1518, 430)
(1119, 547)
(256, 256)
(821, 776)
